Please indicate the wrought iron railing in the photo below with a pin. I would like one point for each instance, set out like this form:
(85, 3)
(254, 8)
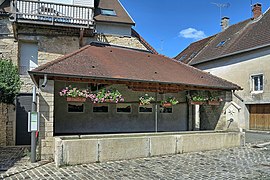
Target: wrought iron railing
(38, 12)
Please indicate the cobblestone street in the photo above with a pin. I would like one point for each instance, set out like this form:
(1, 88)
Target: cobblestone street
(236, 163)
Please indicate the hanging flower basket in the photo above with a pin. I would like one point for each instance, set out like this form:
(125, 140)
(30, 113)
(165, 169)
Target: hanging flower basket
(214, 103)
(76, 99)
(146, 100)
(197, 102)
(167, 104)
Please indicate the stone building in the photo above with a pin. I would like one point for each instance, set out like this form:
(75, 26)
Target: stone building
(101, 50)
(35, 32)
(240, 54)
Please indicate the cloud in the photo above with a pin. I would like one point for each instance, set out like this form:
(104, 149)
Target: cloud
(192, 33)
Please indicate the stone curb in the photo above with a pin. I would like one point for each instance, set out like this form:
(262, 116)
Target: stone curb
(261, 145)
(255, 131)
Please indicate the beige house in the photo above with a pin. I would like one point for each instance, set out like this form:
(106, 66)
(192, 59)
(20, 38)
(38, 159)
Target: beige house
(240, 54)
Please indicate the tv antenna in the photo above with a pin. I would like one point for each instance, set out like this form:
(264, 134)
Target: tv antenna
(220, 6)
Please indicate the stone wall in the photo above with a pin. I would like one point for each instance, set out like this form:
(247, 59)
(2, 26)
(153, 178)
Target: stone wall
(130, 42)
(7, 125)
(8, 45)
(214, 117)
(3, 124)
(101, 148)
(46, 109)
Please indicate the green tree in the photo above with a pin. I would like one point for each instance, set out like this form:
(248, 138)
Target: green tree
(10, 83)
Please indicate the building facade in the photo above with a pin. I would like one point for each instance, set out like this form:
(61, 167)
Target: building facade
(240, 54)
(36, 32)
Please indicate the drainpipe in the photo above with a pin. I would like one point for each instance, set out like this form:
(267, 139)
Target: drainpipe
(45, 81)
(156, 114)
(238, 97)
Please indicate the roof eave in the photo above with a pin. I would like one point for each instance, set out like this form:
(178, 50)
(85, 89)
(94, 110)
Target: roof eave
(33, 73)
(231, 54)
(117, 22)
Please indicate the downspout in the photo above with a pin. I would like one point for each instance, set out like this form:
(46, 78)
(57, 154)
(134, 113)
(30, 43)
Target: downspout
(44, 81)
(237, 96)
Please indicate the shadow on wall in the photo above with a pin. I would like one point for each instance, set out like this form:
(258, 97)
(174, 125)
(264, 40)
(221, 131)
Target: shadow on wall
(214, 117)
(210, 117)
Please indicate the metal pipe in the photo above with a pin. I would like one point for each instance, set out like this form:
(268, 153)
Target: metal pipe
(33, 133)
(45, 81)
(238, 97)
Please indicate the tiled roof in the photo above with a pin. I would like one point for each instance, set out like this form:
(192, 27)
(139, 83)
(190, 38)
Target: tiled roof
(191, 51)
(240, 37)
(121, 14)
(115, 63)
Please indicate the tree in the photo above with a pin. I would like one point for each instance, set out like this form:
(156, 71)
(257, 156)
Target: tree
(10, 83)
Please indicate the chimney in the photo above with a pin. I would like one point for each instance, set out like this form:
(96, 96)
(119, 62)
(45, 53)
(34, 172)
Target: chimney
(257, 10)
(225, 23)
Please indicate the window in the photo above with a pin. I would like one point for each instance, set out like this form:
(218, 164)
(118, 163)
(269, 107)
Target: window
(100, 108)
(123, 108)
(183, 57)
(221, 43)
(146, 109)
(108, 12)
(28, 57)
(75, 108)
(257, 83)
(165, 110)
(193, 55)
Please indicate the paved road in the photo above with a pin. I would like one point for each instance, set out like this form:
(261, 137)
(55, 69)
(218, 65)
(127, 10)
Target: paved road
(235, 163)
(256, 138)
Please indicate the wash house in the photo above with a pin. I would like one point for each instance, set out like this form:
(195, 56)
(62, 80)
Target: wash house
(126, 92)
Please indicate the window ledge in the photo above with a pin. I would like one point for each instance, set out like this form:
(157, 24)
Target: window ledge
(256, 92)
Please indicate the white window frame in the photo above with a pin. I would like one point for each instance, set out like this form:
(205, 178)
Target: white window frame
(252, 77)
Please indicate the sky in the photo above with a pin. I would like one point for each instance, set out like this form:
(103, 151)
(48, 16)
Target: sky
(171, 25)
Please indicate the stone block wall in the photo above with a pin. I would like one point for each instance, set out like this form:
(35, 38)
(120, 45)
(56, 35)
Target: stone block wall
(46, 109)
(7, 125)
(8, 45)
(3, 122)
(214, 117)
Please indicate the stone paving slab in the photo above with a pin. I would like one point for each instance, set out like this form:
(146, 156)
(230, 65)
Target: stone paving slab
(14, 160)
(236, 163)
(8, 156)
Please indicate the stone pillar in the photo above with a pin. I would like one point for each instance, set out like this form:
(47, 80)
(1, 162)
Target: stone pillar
(197, 118)
(46, 109)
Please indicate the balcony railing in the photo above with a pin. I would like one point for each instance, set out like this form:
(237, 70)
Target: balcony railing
(36, 12)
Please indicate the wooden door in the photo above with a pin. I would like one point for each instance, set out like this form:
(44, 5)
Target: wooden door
(259, 117)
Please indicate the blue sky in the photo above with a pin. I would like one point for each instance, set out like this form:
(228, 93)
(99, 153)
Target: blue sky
(171, 25)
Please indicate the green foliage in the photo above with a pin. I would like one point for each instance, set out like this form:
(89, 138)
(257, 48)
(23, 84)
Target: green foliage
(198, 98)
(171, 100)
(10, 83)
(146, 99)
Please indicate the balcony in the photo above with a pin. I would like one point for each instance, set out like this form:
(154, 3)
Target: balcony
(43, 13)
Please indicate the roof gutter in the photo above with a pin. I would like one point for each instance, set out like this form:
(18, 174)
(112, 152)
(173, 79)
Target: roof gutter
(129, 80)
(232, 54)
